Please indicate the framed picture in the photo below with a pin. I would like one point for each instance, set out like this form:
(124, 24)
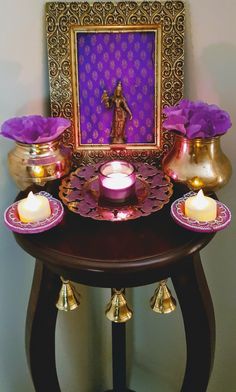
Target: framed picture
(112, 69)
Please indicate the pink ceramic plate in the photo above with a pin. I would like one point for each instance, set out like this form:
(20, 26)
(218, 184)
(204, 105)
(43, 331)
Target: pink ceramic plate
(222, 220)
(80, 193)
(12, 221)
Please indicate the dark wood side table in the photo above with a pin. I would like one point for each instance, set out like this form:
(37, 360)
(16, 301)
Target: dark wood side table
(125, 254)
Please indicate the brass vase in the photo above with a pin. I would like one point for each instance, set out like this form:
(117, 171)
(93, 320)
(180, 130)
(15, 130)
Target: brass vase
(38, 163)
(198, 163)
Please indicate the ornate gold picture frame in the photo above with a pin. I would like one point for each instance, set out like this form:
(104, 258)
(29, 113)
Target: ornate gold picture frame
(112, 69)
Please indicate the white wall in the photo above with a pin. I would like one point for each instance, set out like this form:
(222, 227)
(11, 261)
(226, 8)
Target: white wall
(23, 90)
(156, 343)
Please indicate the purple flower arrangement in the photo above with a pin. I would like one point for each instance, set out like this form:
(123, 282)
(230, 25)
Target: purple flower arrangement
(196, 119)
(34, 129)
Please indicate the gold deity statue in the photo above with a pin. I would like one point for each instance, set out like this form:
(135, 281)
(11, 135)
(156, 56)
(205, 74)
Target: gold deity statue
(121, 109)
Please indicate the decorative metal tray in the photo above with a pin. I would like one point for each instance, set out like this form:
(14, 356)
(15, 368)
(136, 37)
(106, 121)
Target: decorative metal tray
(80, 193)
(12, 221)
(221, 222)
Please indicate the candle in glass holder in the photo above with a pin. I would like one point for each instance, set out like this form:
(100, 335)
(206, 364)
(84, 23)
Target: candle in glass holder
(117, 181)
(33, 208)
(201, 207)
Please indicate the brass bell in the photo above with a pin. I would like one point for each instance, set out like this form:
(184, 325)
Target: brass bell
(162, 300)
(117, 309)
(68, 298)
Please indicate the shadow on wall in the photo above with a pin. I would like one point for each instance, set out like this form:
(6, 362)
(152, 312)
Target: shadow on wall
(159, 348)
(83, 343)
(219, 62)
(16, 269)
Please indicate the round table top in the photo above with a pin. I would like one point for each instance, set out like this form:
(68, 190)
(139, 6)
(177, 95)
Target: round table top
(115, 254)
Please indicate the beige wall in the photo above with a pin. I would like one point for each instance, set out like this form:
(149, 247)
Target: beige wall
(156, 344)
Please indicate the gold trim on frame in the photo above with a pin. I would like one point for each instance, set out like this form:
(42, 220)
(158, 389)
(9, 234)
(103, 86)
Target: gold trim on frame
(75, 88)
(165, 18)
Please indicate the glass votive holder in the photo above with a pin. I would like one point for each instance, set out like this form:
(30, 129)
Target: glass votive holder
(117, 181)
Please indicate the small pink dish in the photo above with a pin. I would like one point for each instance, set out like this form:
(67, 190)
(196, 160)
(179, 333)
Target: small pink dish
(221, 222)
(12, 221)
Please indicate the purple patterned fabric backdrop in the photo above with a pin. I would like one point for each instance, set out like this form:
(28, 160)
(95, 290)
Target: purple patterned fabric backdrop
(103, 60)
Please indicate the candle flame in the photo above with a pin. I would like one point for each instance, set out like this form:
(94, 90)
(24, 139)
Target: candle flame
(201, 198)
(116, 166)
(32, 201)
(200, 194)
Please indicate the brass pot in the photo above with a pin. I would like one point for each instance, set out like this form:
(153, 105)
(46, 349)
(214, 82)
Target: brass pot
(38, 163)
(198, 163)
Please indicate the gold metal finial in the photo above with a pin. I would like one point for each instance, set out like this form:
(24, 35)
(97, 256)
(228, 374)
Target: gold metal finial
(162, 300)
(117, 309)
(68, 298)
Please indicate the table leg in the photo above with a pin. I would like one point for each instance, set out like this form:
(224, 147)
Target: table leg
(40, 329)
(198, 314)
(119, 358)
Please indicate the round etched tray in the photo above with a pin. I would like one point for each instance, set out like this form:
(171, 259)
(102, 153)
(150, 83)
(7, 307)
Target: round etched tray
(80, 192)
(222, 220)
(12, 221)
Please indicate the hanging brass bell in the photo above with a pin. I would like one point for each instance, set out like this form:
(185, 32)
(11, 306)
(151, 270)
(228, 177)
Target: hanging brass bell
(162, 300)
(117, 309)
(68, 298)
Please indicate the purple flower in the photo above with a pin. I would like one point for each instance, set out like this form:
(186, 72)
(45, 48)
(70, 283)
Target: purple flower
(177, 119)
(34, 129)
(196, 119)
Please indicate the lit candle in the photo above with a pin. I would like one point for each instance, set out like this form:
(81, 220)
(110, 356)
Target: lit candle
(33, 208)
(201, 207)
(117, 181)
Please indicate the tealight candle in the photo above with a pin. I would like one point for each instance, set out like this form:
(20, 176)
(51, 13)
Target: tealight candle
(201, 207)
(117, 181)
(33, 208)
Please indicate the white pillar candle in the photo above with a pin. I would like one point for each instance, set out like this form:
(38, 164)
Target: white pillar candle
(33, 208)
(201, 207)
